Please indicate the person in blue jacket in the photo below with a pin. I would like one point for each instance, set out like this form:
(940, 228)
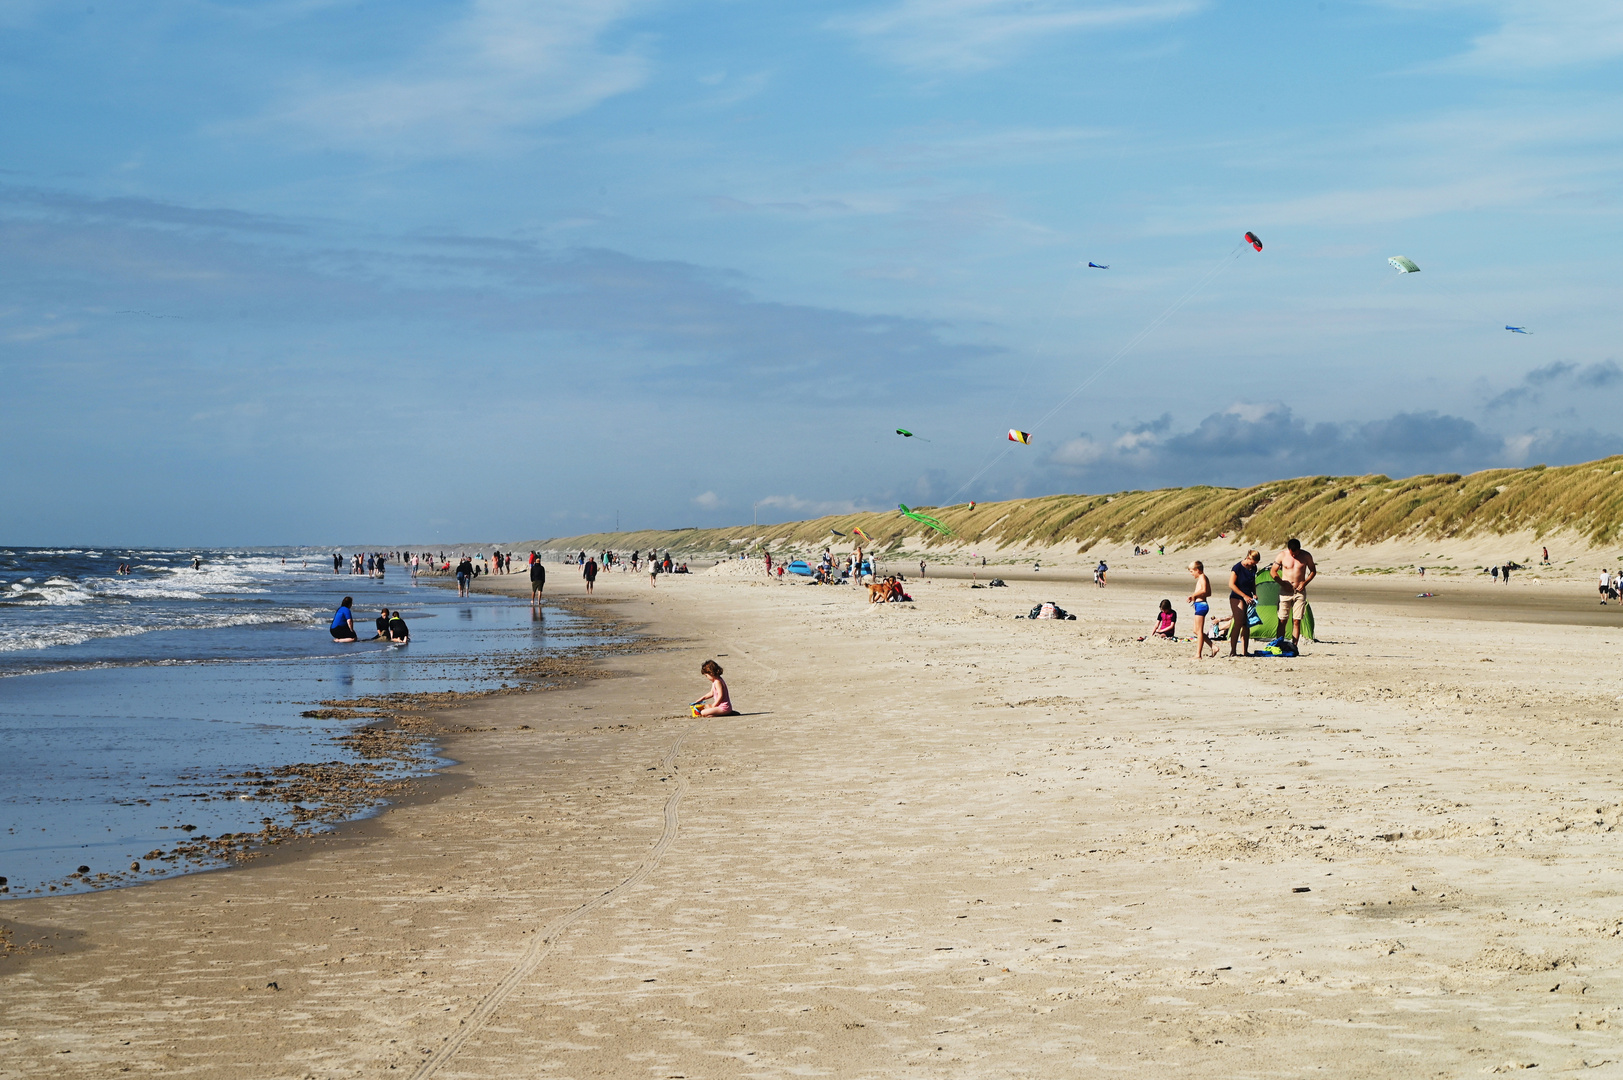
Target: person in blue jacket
(343, 623)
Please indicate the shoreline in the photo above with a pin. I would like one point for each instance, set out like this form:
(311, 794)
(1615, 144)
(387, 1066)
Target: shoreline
(328, 801)
(937, 841)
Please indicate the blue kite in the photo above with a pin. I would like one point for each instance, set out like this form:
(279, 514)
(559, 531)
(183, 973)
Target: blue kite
(1518, 330)
(1096, 266)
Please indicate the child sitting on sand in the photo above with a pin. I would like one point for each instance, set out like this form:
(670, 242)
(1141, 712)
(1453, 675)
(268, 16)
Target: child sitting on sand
(1166, 623)
(719, 704)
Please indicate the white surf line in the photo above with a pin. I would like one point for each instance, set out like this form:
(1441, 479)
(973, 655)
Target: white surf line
(543, 942)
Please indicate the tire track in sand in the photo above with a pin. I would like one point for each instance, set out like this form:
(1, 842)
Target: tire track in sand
(543, 942)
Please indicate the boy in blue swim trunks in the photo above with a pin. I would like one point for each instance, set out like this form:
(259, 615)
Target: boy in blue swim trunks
(1199, 597)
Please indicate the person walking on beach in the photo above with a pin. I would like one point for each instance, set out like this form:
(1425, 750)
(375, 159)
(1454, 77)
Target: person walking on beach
(1198, 597)
(1504, 574)
(1242, 596)
(538, 579)
(589, 572)
(1293, 568)
(464, 574)
(921, 568)
(335, 562)
(1099, 574)
(1605, 586)
(343, 623)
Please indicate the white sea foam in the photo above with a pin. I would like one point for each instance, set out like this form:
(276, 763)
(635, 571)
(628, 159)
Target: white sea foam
(17, 639)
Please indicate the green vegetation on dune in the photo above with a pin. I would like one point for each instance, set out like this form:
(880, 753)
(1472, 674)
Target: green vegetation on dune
(1586, 499)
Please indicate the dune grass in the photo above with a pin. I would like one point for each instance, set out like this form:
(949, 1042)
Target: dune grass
(1341, 510)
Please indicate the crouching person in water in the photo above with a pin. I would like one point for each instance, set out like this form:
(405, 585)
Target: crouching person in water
(715, 703)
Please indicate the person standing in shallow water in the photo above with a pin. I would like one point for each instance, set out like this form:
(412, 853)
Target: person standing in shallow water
(538, 579)
(589, 572)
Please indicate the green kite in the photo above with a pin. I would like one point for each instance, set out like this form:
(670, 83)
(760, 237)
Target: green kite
(925, 519)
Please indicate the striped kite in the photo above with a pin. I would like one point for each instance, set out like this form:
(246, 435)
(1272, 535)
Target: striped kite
(1020, 436)
(1403, 264)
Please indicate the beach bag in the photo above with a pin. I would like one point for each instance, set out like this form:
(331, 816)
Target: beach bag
(1251, 616)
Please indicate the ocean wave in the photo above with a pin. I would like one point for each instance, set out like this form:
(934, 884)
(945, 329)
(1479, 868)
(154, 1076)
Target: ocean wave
(21, 638)
(52, 592)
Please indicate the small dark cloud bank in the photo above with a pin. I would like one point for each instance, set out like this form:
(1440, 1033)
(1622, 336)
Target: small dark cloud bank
(1561, 376)
(1248, 443)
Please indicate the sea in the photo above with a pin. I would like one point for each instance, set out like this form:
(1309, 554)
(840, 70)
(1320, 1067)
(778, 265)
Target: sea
(126, 700)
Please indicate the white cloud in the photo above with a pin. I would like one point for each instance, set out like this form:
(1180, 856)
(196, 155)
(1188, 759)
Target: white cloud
(708, 501)
(971, 35)
(1553, 156)
(1534, 34)
(505, 66)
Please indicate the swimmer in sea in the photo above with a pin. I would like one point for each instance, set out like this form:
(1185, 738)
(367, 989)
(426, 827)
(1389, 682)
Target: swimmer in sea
(715, 703)
(343, 623)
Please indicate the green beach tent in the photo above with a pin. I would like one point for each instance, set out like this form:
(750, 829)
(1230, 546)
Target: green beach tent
(1268, 610)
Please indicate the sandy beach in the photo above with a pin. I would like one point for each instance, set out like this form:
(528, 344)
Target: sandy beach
(941, 841)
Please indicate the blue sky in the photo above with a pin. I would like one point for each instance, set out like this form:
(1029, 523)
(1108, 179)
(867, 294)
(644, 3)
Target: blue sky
(316, 271)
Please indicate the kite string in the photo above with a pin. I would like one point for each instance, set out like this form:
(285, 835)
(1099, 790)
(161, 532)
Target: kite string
(1148, 329)
(1153, 325)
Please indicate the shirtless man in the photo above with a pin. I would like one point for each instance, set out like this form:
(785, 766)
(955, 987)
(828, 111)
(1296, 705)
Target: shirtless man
(1293, 568)
(1202, 592)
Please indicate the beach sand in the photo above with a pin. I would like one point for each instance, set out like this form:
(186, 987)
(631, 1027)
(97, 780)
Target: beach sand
(940, 842)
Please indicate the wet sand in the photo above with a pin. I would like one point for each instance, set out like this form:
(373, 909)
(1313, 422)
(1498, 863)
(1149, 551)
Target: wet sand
(941, 841)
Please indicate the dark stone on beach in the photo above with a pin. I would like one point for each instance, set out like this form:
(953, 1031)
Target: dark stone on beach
(84, 869)
(3, 881)
(135, 866)
(1301, 888)
(189, 828)
(272, 986)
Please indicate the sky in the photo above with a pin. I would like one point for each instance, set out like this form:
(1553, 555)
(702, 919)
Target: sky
(323, 271)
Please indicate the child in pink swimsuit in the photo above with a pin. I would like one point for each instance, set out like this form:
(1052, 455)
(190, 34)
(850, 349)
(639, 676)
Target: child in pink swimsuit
(715, 703)
(1166, 622)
